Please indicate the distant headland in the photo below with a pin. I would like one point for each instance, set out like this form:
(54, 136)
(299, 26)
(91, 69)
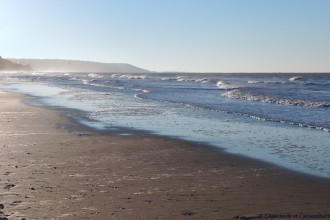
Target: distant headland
(7, 65)
(60, 65)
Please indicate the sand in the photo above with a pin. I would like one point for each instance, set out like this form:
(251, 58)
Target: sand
(54, 168)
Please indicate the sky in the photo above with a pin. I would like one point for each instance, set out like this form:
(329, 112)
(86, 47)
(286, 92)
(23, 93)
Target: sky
(172, 35)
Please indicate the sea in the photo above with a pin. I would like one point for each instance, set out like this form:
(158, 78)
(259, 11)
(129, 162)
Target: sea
(283, 119)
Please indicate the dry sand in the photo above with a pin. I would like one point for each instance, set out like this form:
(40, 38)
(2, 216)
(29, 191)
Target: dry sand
(53, 168)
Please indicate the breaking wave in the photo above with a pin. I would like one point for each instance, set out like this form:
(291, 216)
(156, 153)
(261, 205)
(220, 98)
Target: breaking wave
(295, 78)
(145, 96)
(94, 75)
(226, 86)
(127, 76)
(254, 82)
(264, 82)
(184, 79)
(236, 94)
(203, 80)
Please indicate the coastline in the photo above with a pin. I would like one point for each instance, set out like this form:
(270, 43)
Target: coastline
(53, 167)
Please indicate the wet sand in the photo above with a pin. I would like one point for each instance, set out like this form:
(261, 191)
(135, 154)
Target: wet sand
(53, 168)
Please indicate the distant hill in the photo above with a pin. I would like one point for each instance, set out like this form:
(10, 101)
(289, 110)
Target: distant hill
(7, 65)
(55, 65)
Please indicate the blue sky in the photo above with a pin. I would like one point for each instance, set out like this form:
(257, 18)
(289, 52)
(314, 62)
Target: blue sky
(172, 35)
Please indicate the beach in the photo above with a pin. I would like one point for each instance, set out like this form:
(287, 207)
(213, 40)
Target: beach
(55, 168)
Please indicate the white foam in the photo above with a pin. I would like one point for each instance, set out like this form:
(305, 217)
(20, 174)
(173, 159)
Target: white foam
(253, 82)
(187, 79)
(295, 78)
(168, 79)
(128, 76)
(226, 86)
(203, 80)
(38, 73)
(94, 75)
(266, 82)
(182, 78)
(236, 94)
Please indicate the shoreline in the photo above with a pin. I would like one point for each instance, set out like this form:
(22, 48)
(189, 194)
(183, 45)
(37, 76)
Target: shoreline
(56, 168)
(284, 143)
(76, 117)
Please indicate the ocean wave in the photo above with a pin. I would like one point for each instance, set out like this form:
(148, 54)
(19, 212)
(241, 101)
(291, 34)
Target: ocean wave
(295, 78)
(115, 75)
(107, 85)
(84, 81)
(187, 79)
(254, 82)
(183, 79)
(226, 86)
(94, 75)
(274, 82)
(132, 77)
(128, 76)
(250, 115)
(264, 82)
(168, 79)
(38, 73)
(203, 80)
(236, 94)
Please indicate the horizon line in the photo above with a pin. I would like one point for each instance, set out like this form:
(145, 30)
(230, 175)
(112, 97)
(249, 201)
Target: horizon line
(172, 71)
